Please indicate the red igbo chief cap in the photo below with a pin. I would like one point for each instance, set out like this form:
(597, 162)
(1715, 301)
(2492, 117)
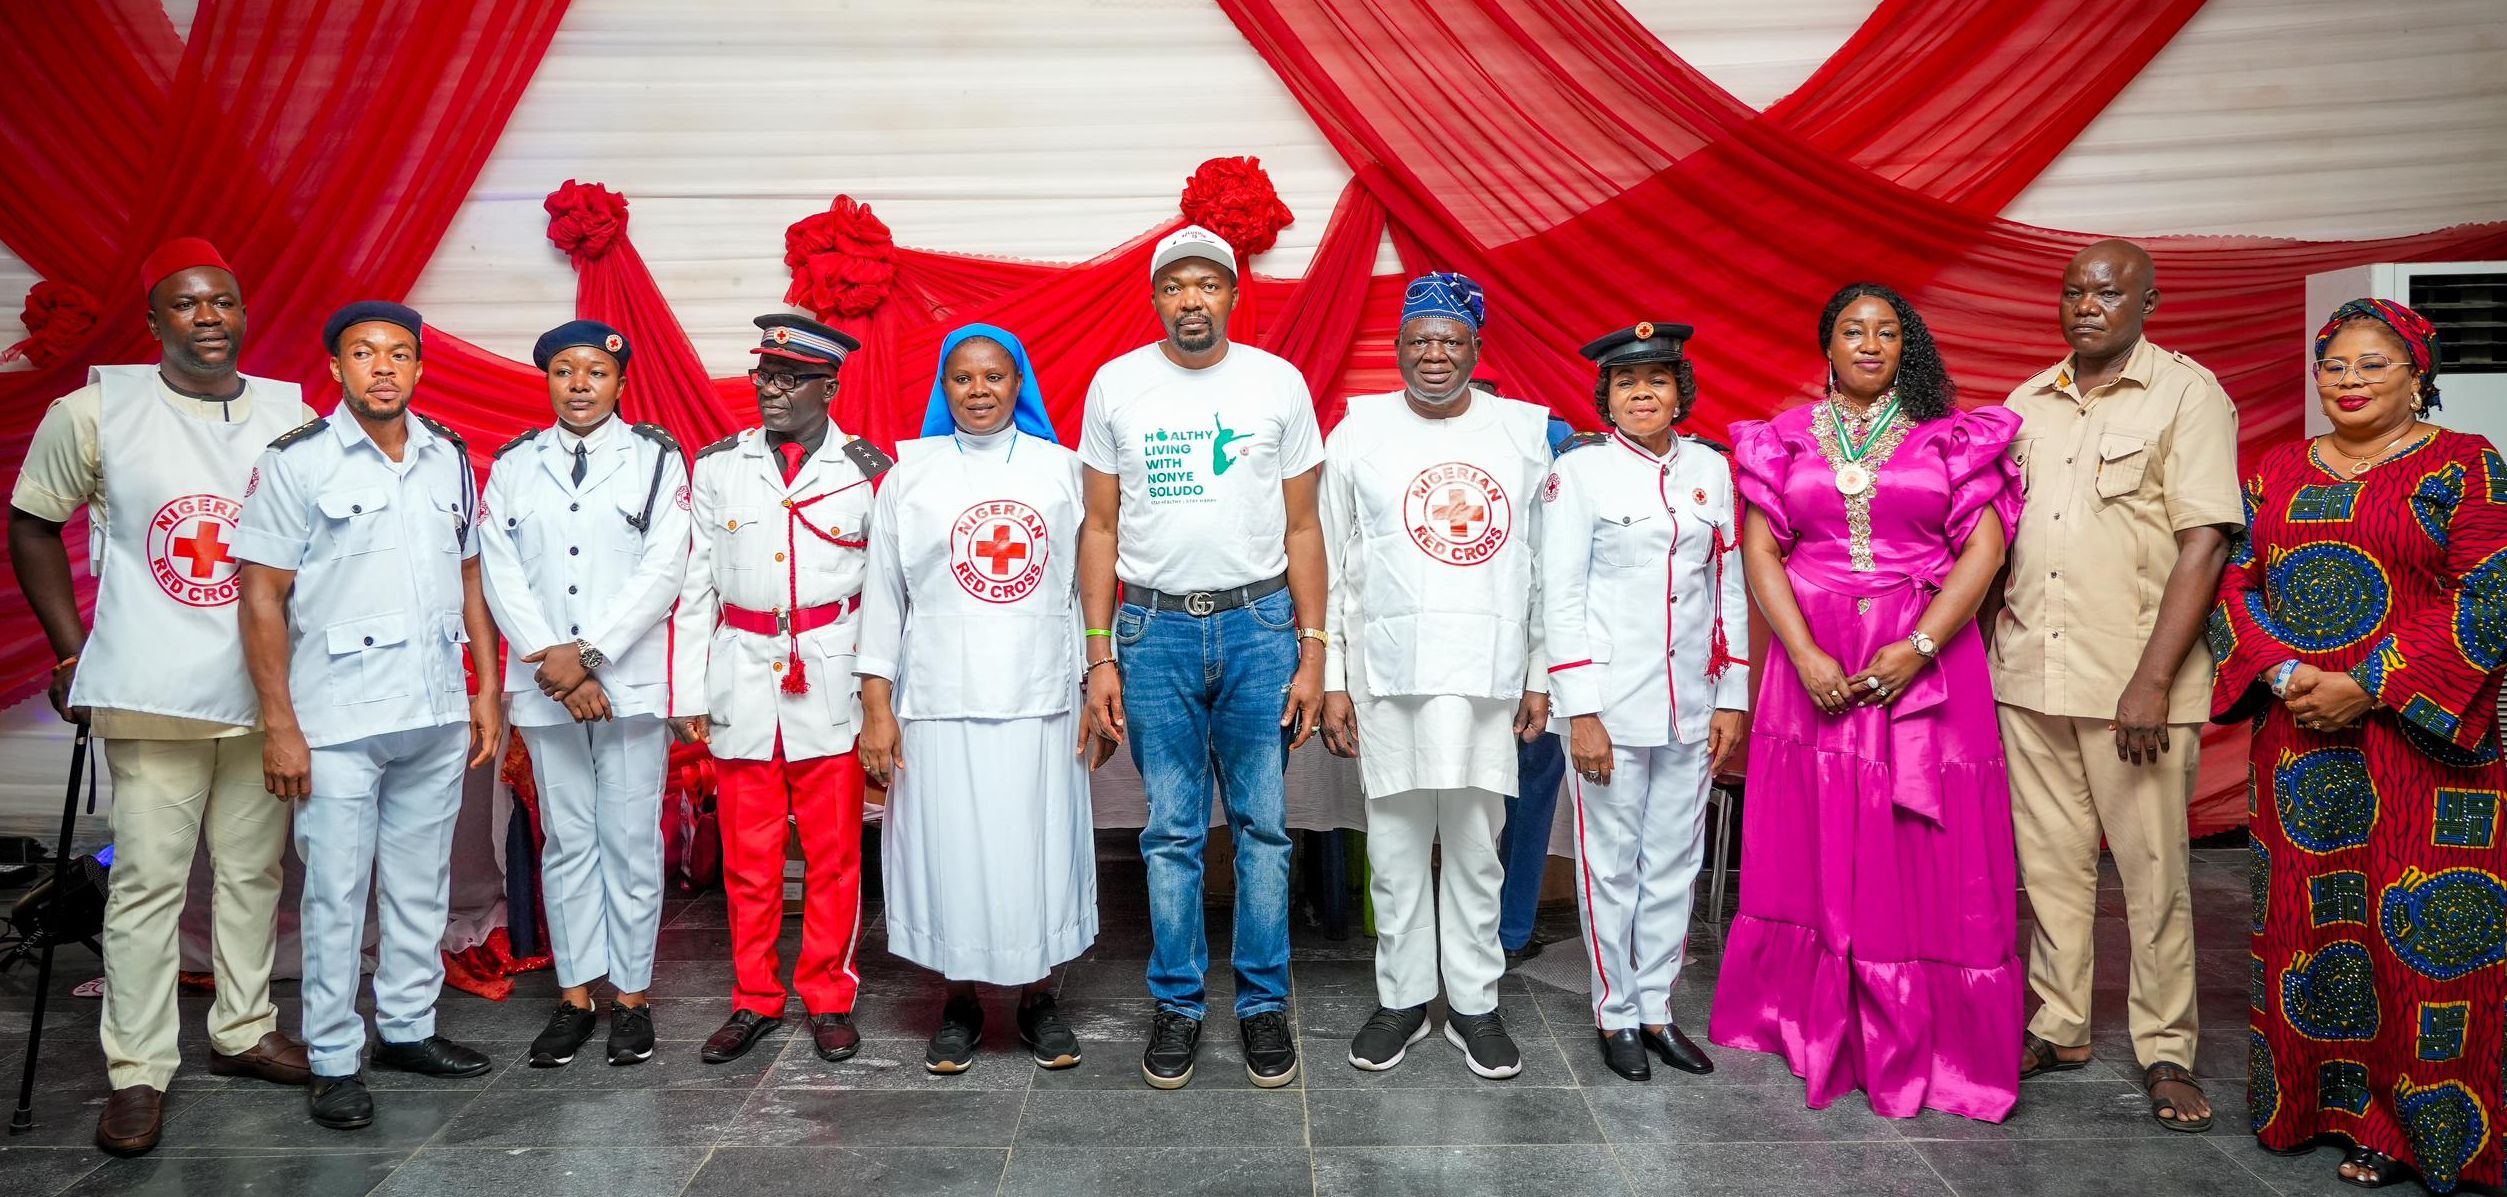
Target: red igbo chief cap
(181, 253)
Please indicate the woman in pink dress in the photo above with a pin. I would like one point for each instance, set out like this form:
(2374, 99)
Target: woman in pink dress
(1874, 948)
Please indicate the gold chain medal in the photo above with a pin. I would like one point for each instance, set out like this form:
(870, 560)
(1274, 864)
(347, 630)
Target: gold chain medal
(1853, 477)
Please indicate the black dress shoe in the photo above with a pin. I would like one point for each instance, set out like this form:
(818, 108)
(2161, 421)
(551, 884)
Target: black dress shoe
(1516, 956)
(340, 1102)
(567, 1030)
(737, 1036)
(432, 1056)
(630, 1034)
(1625, 1055)
(1676, 1050)
(835, 1037)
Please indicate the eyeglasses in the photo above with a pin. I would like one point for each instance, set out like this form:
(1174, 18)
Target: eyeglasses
(2331, 370)
(782, 381)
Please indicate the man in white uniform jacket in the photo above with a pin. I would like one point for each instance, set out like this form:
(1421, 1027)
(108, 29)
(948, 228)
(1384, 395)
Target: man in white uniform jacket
(762, 673)
(585, 544)
(360, 592)
(158, 454)
(1643, 609)
(1433, 673)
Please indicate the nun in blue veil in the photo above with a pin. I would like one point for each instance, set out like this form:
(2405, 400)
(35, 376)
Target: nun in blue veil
(969, 657)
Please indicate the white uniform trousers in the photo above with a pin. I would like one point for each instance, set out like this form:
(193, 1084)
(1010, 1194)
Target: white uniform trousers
(601, 869)
(1422, 922)
(380, 821)
(166, 793)
(1639, 842)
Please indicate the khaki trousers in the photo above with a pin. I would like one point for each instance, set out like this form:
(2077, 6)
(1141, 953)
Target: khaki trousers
(2067, 787)
(165, 793)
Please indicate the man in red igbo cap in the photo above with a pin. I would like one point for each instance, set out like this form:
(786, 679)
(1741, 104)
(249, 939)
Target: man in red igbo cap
(161, 456)
(762, 673)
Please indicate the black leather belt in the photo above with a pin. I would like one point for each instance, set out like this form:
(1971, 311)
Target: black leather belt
(1202, 602)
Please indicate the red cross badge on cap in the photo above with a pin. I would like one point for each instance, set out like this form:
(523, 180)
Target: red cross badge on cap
(614, 343)
(1645, 330)
(780, 335)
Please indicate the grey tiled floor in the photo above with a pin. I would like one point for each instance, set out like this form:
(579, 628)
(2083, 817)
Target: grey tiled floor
(783, 1122)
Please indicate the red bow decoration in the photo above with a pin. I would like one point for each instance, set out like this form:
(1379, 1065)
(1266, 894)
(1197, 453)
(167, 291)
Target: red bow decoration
(843, 261)
(58, 317)
(1234, 198)
(585, 219)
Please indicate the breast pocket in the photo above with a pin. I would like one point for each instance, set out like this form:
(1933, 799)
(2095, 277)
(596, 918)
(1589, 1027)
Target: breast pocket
(1630, 540)
(740, 536)
(525, 530)
(353, 521)
(2123, 462)
(2023, 453)
(366, 664)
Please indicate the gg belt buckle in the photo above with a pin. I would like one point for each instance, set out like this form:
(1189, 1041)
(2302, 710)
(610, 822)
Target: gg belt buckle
(1200, 603)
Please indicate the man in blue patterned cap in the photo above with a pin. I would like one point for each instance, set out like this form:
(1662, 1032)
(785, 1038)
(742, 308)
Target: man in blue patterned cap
(1432, 673)
(360, 591)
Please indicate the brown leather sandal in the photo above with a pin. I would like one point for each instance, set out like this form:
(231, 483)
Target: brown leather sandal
(2164, 1108)
(2038, 1057)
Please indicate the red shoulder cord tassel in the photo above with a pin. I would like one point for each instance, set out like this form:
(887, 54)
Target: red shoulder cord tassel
(796, 676)
(1719, 650)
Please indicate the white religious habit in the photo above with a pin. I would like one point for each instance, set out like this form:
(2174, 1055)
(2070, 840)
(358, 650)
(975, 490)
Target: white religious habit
(972, 611)
(1643, 607)
(599, 563)
(763, 638)
(1431, 531)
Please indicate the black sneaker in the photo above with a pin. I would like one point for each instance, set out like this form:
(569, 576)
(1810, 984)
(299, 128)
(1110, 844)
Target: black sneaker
(1485, 1045)
(567, 1030)
(1270, 1051)
(952, 1049)
(1047, 1037)
(630, 1034)
(1387, 1037)
(1168, 1061)
(340, 1102)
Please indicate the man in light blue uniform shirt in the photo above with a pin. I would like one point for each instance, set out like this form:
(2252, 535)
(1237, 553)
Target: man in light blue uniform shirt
(360, 591)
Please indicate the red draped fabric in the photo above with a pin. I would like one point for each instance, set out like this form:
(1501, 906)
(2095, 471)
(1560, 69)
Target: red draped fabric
(1551, 148)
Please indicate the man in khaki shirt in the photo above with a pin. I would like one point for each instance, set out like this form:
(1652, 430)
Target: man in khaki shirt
(159, 455)
(2129, 456)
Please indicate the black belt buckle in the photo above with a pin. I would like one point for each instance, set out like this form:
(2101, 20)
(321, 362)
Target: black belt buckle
(1200, 603)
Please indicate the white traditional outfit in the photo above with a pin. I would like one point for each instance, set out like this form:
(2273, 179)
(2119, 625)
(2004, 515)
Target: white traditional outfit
(972, 611)
(1431, 531)
(1640, 585)
(586, 541)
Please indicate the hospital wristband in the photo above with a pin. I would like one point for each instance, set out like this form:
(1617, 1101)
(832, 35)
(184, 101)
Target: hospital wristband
(2281, 676)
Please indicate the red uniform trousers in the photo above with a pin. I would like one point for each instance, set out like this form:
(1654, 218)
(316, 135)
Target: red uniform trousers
(824, 796)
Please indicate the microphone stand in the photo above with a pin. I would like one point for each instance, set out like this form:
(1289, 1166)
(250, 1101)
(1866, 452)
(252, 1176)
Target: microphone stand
(22, 1119)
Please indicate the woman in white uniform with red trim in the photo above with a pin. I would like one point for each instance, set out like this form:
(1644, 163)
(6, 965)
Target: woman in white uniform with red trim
(1643, 605)
(970, 698)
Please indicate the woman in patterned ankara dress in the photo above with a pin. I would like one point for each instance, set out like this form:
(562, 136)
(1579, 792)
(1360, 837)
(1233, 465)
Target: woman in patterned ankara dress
(1876, 947)
(2371, 600)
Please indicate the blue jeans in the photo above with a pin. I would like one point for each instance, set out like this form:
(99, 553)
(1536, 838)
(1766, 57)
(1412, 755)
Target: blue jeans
(1539, 767)
(1202, 698)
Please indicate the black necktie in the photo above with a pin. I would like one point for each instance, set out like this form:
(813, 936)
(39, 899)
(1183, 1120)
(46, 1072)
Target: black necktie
(580, 464)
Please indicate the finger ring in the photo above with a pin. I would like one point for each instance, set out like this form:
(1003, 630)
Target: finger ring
(1873, 683)
(1836, 694)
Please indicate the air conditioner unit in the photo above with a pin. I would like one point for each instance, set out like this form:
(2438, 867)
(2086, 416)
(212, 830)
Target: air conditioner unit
(2467, 301)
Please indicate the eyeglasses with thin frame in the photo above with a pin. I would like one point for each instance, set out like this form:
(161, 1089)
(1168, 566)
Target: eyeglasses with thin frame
(784, 381)
(2371, 370)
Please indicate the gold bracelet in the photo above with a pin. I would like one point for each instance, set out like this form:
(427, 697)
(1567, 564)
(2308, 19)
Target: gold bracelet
(65, 662)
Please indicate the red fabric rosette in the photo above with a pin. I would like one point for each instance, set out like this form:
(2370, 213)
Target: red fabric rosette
(58, 317)
(585, 219)
(1234, 198)
(843, 261)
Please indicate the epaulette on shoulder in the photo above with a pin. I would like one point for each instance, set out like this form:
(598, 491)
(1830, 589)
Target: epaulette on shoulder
(439, 428)
(867, 457)
(727, 443)
(1711, 443)
(1582, 440)
(528, 435)
(658, 435)
(299, 434)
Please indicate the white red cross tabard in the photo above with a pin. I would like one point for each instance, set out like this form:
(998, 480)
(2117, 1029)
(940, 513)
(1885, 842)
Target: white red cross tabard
(191, 549)
(998, 549)
(1457, 513)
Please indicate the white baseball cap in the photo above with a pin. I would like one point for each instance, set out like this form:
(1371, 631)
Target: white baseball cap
(1192, 241)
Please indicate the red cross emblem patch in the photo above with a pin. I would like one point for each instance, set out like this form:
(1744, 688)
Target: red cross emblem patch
(1457, 513)
(613, 343)
(191, 549)
(998, 549)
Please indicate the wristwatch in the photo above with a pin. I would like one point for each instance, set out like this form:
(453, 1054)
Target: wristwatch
(1924, 646)
(593, 658)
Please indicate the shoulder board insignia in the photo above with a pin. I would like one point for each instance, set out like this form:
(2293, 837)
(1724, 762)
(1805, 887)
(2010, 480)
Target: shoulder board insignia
(439, 428)
(867, 457)
(298, 434)
(658, 435)
(528, 435)
(1709, 443)
(727, 443)
(1582, 440)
